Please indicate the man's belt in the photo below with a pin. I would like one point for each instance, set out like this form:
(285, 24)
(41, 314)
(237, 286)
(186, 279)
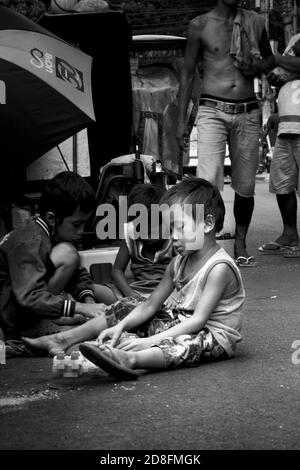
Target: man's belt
(230, 108)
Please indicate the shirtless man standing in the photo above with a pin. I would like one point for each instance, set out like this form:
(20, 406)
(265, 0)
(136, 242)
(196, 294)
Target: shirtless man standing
(228, 108)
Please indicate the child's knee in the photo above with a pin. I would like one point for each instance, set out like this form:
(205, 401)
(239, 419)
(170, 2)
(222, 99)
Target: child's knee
(64, 254)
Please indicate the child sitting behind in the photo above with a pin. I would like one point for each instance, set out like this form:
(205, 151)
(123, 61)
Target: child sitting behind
(148, 257)
(202, 294)
(40, 275)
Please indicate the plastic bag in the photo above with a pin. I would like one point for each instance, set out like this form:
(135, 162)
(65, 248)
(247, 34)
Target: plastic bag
(91, 5)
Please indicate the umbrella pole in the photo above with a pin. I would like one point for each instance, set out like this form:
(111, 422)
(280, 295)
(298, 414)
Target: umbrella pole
(75, 155)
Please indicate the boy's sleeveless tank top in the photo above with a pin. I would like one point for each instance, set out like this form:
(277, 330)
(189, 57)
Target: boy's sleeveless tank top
(226, 320)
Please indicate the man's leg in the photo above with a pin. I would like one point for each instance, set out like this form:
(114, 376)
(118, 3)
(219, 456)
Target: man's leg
(211, 145)
(244, 155)
(63, 340)
(284, 179)
(243, 210)
(287, 204)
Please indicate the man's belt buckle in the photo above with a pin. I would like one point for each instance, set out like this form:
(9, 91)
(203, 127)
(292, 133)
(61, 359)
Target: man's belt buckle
(230, 108)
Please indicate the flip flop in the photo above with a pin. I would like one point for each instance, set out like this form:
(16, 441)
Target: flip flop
(244, 262)
(273, 248)
(225, 236)
(292, 252)
(111, 363)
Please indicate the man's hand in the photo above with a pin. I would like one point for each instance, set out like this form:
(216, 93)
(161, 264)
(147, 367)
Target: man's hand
(182, 138)
(275, 80)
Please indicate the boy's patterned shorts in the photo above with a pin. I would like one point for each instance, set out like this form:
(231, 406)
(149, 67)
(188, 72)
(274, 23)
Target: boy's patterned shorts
(184, 350)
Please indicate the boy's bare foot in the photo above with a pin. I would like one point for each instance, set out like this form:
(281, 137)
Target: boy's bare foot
(54, 344)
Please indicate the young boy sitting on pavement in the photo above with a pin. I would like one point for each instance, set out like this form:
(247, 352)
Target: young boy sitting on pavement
(201, 294)
(41, 282)
(148, 257)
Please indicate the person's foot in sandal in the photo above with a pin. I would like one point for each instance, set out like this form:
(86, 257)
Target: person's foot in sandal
(114, 361)
(244, 262)
(241, 256)
(275, 248)
(292, 252)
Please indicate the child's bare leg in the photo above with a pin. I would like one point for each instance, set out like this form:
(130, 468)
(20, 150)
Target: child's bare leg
(151, 358)
(63, 340)
(65, 258)
(103, 294)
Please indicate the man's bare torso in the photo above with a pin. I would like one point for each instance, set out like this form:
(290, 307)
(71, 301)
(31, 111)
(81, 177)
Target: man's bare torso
(220, 76)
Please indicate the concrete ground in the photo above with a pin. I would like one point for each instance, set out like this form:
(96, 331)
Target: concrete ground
(249, 402)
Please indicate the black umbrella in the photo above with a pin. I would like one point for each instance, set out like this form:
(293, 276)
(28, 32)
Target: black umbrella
(45, 95)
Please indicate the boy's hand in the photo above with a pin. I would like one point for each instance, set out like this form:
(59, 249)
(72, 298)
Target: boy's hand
(170, 303)
(75, 320)
(90, 310)
(139, 297)
(112, 334)
(134, 344)
(89, 300)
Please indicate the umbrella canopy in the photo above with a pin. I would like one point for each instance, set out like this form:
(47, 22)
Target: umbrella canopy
(45, 93)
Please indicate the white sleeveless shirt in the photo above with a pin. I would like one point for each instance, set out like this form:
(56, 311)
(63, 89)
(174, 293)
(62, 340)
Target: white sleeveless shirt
(289, 108)
(225, 321)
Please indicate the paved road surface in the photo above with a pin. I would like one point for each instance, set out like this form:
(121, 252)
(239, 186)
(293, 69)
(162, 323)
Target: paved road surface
(250, 402)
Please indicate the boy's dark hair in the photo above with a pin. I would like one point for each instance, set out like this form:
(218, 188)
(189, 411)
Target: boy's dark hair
(64, 193)
(146, 194)
(198, 191)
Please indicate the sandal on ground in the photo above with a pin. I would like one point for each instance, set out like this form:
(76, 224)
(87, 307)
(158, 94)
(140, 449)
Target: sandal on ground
(273, 248)
(109, 361)
(244, 262)
(292, 252)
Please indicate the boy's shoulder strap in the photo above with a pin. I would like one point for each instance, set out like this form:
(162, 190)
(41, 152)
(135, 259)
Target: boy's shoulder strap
(229, 263)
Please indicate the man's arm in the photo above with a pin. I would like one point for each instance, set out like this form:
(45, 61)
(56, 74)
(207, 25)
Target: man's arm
(256, 66)
(289, 62)
(267, 62)
(192, 54)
